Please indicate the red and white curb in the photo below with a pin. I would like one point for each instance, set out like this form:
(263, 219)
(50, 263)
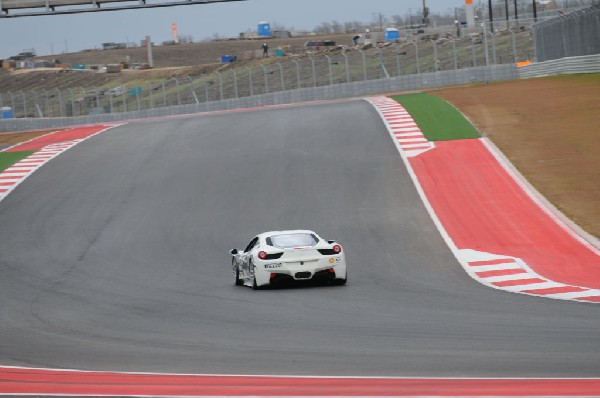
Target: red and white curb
(18, 172)
(59, 382)
(403, 128)
(498, 271)
(514, 275)
(15, 174)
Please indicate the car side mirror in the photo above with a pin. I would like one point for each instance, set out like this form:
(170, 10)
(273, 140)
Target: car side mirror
(233, 252)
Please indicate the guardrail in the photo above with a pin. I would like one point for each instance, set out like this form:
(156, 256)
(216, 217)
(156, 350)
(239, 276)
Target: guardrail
(583, 64)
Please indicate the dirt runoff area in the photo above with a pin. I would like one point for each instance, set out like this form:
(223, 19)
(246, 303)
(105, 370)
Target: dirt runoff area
(549, 128)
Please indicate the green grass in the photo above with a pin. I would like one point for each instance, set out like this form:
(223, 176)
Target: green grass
(7, 159)
(437, 119)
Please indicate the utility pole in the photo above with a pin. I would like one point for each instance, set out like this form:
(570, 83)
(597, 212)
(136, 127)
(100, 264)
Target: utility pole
(491, 12)
(535, 10)
(516, 11)
(425, 14)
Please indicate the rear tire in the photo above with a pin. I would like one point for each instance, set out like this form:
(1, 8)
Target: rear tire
(254, 285)
(339, 281)
(236, 273)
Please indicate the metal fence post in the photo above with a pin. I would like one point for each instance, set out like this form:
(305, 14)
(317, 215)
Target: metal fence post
(46, 103)
(35, 104)
(84, 105)
(70, 90)
(24, 104)
(177, 88)
(137, 97)
(330, 70)
(206, 88)
(347, 67)
(220, 85)
(485, 46)
(364, 62)
(235, 84)
(12, 101)
(60, 103)
(110, 102)
(282, 78)
(494, 48)
(125, 101)
(250, 81)
(164, 93)
(385, 72)
(473, 51)
(298, 79)
(150, 97)
(398, 69)
(314, 71)
(454, 54)
(194, 92)
(514, 44)
(97, 97)
(435, 56)
(266, 80)
(417, 56)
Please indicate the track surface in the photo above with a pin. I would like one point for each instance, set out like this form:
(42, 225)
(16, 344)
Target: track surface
(114, 257)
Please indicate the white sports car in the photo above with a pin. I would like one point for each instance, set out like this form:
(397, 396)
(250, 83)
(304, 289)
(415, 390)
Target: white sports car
(274, 257)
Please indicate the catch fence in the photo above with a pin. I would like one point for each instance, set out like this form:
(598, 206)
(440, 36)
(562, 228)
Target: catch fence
(573, 34)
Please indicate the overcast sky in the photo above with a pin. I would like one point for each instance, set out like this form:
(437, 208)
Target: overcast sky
(60, 33)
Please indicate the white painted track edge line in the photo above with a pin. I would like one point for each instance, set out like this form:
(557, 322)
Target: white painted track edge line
(508, 378)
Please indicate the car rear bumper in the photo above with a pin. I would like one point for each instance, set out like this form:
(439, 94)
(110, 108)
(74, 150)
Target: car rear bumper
(270, 272)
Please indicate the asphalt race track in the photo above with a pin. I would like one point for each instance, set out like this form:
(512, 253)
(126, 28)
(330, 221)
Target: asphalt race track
(114, 256)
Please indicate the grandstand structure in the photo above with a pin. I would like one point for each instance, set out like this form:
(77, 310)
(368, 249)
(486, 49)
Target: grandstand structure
(28, 8)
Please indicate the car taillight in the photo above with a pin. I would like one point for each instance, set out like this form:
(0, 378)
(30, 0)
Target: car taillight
(337, 249)
(262, 255)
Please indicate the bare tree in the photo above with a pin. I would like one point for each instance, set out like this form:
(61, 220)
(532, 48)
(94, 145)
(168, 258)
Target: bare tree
(323, 28)
(398, 20)
(354, 26)
(336, 27)
(379, 20)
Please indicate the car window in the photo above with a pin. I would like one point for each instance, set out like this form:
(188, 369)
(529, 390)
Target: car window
(292, 240)
(251, 244)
